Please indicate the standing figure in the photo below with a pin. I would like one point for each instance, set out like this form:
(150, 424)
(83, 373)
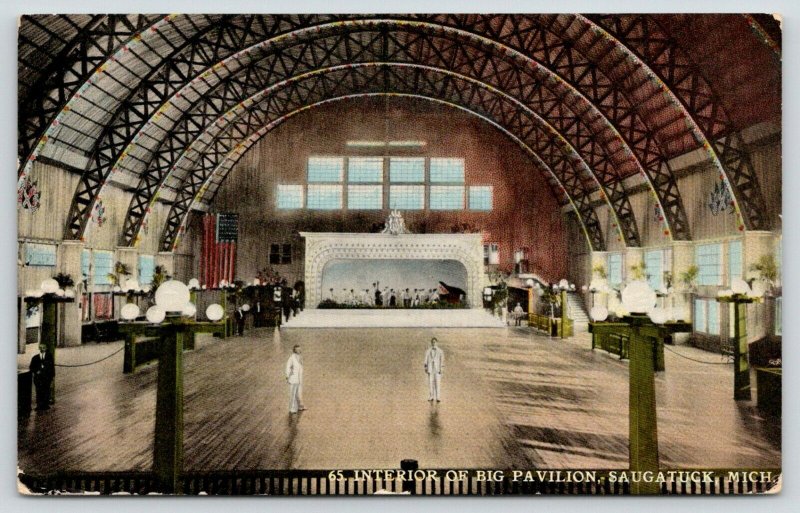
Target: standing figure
(286, 302)
(240, 320)
(43, 370)
(434, 363)
(406, 299)
(295, 302)
(392, 298)
(518, 314)
(294, 376)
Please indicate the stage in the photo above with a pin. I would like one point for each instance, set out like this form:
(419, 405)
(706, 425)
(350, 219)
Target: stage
(394, 318)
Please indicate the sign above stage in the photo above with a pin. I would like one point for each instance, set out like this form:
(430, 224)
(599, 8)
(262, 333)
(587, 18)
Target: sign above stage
(321, 248)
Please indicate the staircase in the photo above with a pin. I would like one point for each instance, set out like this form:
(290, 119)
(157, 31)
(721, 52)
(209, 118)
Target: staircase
(577, 312)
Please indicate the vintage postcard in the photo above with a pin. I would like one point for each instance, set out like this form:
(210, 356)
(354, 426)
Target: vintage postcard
(411, 254)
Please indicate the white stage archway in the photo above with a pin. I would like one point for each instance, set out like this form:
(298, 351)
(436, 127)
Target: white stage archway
(321, 248)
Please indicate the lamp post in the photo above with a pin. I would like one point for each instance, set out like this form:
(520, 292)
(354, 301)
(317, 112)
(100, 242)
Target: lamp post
(638, 298)
(169, 320)
(740, 295)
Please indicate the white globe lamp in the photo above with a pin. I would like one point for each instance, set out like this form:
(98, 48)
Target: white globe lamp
(529, 282)
(69, 293)
(739, 286)
(129, 312)
(60, 293)
(189, 309)
(214, 312)
(659, 315)
(49, 286)
(563, 284)
(193, 283)
(172, 296)
(245, 307)
(638, 297)
(599, 313)
(155, 314)
(759, 288)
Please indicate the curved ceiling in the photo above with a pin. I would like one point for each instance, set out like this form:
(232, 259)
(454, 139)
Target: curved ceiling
(163, 105)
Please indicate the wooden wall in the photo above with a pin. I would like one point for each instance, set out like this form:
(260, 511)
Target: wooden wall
(524, 214)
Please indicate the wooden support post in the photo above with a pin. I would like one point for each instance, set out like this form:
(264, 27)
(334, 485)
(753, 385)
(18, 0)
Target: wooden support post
(168, 446)
(129, 362)
(49, 335)
(741, 366)
(643, 422)
(224, 302)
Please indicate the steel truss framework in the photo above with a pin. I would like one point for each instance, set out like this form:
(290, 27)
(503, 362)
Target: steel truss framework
(564, 68)
(644, 37)
(388, 78)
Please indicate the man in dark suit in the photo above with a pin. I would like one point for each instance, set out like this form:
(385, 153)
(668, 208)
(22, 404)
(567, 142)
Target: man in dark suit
(43, 370)
(240, 321)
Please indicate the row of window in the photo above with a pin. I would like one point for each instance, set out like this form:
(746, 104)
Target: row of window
(371, 169)
(708, 258)
(97, 265)
(370, 197)
(707, 314)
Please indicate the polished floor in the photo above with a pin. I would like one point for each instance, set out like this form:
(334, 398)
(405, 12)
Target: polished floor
(511, 399)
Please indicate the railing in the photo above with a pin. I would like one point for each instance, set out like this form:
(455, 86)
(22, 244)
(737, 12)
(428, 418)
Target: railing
(551, 325)
(346, 482)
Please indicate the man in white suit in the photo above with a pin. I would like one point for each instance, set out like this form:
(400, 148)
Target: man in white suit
(294, 376)
(434, 363)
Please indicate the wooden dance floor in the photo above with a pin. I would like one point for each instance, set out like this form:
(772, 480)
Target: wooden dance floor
(510, 400)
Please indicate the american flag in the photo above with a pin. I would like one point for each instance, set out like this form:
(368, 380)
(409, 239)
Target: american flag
(218, 262)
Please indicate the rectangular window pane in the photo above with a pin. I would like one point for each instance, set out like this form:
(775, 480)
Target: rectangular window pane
(407, 197)
(615, 269)
(447, 170)
(290, 196)
(365, 197)
(708, 258)
(447, 197)
(325, 169)
(147, 265)
(480, 197)
(103, 266)
(734, 260)
(286, 256)
(365, 169)
(86, 261)
(700, 315)
(654, 268)
(713, 317)
(324, 197)
(407, 169)
(491, 254)
(274, 254)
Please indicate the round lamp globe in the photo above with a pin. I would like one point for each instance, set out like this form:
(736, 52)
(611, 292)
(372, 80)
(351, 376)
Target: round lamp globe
(189, 309)
(638, 297)
(129, 312)
(172, 296)
(49, 286)
(214, 312)
(155, 314)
